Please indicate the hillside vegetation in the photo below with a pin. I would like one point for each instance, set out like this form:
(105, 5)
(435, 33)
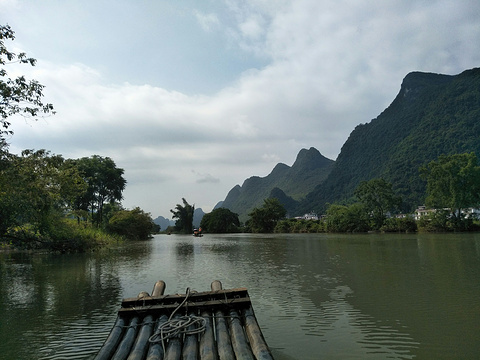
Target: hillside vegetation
(291, 183)
(432, 115)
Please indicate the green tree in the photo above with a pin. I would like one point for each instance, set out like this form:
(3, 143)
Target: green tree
(341, 218)
(378, 198)
(265, 218)
(220, 220)
(184, 216)
(133, 224)
(105, 185)
(17, 95)
(37, 189)
(453, 182)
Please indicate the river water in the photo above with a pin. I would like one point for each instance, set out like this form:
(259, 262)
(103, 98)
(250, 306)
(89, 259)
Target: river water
(316, 296)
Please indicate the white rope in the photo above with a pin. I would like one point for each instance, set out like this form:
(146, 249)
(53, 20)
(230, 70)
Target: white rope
(178, 326)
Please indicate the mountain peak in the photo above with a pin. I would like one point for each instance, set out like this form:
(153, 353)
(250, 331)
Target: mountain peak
(416, 82)
(310, 159)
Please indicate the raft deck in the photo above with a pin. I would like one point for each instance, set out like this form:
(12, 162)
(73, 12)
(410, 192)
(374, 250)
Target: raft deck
(211, 325)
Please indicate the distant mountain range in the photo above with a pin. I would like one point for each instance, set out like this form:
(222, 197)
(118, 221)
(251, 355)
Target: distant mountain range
(289, 183)
(433, 114)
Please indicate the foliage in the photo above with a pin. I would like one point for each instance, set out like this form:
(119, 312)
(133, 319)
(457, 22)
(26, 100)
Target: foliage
(378, 198)
(38, 195)
(265, 218)
(36, 188)
(17, 95)
(453, 182)
(436, 221)
(66, 236)
(220, 220)
(133, 224)
(394, 224)
(184, 216)
(341, 218)
(105, 185)
(432, 115)
(299, 226)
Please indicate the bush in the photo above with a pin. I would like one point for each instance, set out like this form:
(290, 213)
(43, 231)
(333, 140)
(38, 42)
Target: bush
(66, 236)
(133, 224)
(406, 224)
(351, 218)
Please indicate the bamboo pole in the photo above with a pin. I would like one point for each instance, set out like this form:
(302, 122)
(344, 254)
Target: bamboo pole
(239, 341)
(208, 350)
(109, 346)
(224, 343)
(158, 288)
(155, 351)
(257, 341)
(140, 346)
(174, 347)
(190, 344)
(125, 345)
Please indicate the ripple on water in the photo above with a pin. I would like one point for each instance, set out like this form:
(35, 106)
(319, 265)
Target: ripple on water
(76, 340)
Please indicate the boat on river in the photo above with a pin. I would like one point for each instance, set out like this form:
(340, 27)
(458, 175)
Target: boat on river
(216, 324)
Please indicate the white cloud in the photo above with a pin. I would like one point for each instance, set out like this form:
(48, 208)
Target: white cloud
(207, 22)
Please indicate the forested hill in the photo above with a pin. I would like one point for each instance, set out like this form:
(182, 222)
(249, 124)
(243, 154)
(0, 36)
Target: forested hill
(293, 183)
(432, 115)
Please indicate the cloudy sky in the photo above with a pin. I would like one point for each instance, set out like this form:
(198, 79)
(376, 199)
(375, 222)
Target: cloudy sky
(192, 97)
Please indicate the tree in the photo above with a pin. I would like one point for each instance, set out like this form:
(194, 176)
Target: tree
(184, 216)
(453, 182)
(18, 95)
(378, 198)
(134, 224)
(37, 189)
(341, 218)
(220, 220)
(265, 218)
(105, 185)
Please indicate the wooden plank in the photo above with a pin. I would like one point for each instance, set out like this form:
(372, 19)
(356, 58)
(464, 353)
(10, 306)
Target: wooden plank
(239, 302)
(224, 296)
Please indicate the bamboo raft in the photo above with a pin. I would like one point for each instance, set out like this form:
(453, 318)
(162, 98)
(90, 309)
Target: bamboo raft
(213, 325)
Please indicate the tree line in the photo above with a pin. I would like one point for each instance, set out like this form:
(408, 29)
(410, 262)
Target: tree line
(47, 201)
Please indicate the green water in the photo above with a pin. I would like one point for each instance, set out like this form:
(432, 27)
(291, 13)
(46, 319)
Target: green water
(316, 296)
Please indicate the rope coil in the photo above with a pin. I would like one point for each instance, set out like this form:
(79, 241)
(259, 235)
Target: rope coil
(181, 325)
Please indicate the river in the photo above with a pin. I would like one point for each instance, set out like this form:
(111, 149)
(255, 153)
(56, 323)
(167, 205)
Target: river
(316, 296)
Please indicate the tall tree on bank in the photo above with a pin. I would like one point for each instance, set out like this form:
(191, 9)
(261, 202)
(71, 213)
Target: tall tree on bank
(265, 218)
(37, 189)
(105, 185)
(220, 220)
(378, 198)
(453, 182)
(17, 95)
(184, 216)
